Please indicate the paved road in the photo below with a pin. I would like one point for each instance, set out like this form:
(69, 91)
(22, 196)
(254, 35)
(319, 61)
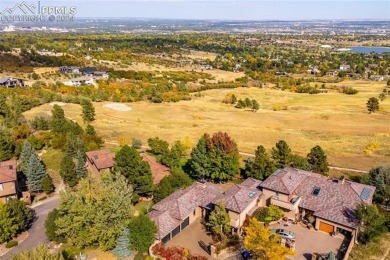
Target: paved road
(37, 231)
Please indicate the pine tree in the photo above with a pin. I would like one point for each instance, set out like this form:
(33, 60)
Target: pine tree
(58, 121)
(261, 166)
(122, 245)
(372, 105)
(317, 160)
(255, 105)
(25, 155)
(88, 112)
(68, 171)
(35, 173)
(6, 146)
(280, 154)
(47, 185)
(129, 163)
(81, 170)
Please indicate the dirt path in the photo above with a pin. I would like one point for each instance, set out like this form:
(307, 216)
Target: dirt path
(252, 155)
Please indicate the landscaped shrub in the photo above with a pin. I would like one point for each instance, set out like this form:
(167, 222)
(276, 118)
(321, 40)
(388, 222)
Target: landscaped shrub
(174, 253)
(271, 213)
(11, 244)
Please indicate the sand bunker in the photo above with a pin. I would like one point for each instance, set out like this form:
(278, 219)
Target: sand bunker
(118, 107)
(61, 104)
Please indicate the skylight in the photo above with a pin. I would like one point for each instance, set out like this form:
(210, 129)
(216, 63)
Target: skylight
(316, 191)
(251, 194)
(365, 194)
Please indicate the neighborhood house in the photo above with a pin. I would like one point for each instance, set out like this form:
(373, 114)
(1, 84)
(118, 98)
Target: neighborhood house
(9, 82)
(332, 202)
(79, 81)
(182, 208)
(8, 180)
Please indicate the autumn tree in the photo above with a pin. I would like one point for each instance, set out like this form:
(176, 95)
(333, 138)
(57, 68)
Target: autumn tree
(262, 244)
(317, 160)
(215, 157)
(280, 154)
(372, 105)
(129, 163)
(261, 166)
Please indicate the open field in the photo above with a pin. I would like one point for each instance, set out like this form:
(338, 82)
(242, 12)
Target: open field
(337, 122)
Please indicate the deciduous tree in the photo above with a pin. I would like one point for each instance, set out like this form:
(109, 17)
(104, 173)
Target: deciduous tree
(219, 221)
(215, 157)
(262, 244)
(142, 231)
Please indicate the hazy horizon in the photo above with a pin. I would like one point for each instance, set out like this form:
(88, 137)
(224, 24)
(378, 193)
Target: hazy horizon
(245, 10)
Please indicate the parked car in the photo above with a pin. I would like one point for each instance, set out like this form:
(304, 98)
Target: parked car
(246, 255)
(283, 233)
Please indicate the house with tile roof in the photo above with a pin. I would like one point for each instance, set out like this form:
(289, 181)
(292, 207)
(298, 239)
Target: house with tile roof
(331, 201)
(182, 208)
(8, 180)
(159, 171)
(100, 160)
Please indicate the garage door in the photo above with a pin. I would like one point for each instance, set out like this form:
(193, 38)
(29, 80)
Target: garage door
(326, 227)
(185, 223)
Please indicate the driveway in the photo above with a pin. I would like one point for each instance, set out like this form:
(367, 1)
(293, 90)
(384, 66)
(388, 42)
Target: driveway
(311, 241)
(37, 231)
(189, 238)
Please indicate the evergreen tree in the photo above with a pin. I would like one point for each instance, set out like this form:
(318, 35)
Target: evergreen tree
(219, 221)
(129, 163)
(90, 130)
(122, 245)
(255, 105)
(280, 154)
(47, 185)
(68, 171)
(6, 146)
(248, 102)
(81, 170)
(25, 155)
(58, 121)
(142, 233)
(88, 110)
(372, 105)
(35, 173)
(261, 166)
(317, 160)
(4, 108)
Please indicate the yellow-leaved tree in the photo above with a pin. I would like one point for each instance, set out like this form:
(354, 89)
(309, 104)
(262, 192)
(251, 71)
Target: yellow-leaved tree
(263, 244)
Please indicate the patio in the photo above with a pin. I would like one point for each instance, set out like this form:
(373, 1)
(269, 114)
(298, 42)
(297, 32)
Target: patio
(190, 237)
(312, 241)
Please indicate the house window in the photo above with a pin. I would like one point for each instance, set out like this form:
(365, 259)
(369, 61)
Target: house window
(194, 212)
(276, 194)
(1, 187)
(316, 191)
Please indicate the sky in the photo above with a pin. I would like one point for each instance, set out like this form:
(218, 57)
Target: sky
(227, 9)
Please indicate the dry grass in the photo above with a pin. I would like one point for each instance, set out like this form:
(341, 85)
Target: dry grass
(372, 251)
(339, 123)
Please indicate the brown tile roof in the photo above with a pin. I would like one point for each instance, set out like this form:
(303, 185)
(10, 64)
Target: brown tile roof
(159, 171)
(103, 159)
(336, 200)
(175, 208)
(8, 171)
(239, 196)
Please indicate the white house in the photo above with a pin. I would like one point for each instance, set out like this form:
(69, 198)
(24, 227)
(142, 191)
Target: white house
(345, 67)
(79, 81)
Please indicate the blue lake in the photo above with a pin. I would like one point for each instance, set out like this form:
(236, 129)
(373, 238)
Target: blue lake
(360, 49)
